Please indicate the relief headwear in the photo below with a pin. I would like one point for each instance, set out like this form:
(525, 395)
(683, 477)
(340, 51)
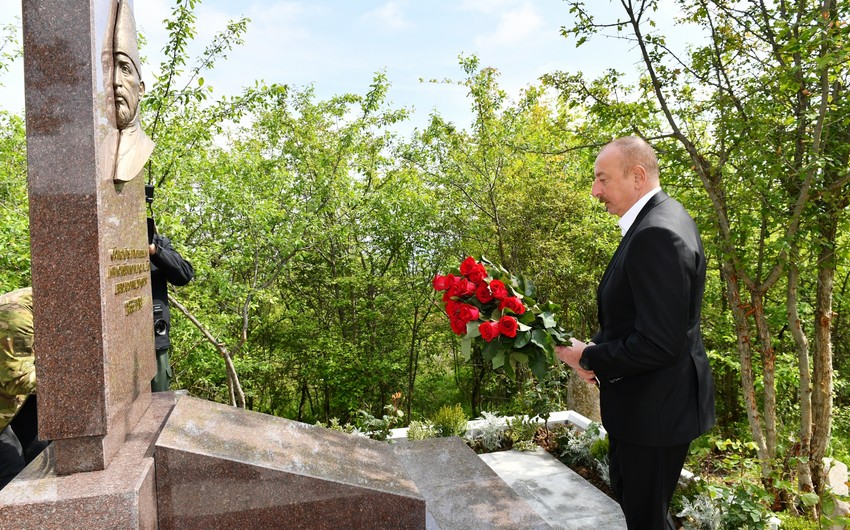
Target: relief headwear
(126, 39)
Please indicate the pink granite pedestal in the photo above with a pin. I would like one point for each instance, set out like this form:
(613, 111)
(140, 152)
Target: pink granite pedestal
(121, 496)
(222, 467)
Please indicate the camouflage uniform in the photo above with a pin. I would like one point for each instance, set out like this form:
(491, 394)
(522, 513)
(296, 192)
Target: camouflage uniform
(17, 366)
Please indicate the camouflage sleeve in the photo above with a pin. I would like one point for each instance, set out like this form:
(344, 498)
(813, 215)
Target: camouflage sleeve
(17, 361)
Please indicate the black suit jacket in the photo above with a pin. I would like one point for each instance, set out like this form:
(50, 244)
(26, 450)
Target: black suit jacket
(656, 387)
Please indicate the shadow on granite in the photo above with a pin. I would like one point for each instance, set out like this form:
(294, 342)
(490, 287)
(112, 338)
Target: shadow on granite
(218, 466)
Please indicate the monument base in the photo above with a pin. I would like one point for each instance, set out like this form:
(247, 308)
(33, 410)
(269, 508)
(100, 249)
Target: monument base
(219, 466)
(121, 496)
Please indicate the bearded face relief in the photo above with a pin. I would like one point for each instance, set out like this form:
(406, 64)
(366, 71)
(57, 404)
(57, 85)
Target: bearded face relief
(134, 147)
(129, 89)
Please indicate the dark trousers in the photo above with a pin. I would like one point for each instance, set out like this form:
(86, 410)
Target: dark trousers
(25, 425)
(162, 380)
(643, 479)
(11, 456)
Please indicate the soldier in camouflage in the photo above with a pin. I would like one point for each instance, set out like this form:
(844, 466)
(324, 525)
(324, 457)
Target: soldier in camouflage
(17, 374)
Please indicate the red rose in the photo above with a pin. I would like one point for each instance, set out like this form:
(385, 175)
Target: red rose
(477, 274)
(483, 293)
(500, 292)
(458, 325)
(467, 312)
(508, 326)
(489, 330)
(467, 266)
(452, 307)
(462, 288)
(441, 283)
(514, 304)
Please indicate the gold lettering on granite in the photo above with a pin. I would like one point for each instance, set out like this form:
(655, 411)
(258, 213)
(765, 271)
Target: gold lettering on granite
(134, 304)
(130, 285)
(126, 270)
(121, 254)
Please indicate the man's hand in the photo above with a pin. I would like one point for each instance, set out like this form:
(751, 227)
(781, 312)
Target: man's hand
(571, 355)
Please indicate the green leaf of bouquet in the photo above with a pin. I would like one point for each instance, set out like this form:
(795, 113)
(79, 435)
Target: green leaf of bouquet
(496, 314)
(510, 368)
(522, 338)
(538, 366)
(519, 357)
(527, 318)
(559, 335)
(491, 349)
(498, 360)
(466, 347)
(472, 329)
(540, 338)
(548, 320)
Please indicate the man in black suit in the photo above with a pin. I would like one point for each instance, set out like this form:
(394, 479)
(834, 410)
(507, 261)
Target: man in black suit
(655, 385)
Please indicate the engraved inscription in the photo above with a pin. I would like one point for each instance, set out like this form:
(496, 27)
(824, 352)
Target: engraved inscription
(131, 268)
(129, 285)
(121, 254)
(134, 304)
(120, 271)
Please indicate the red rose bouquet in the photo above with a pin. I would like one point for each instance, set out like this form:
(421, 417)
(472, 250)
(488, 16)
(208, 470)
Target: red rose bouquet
(490, 308)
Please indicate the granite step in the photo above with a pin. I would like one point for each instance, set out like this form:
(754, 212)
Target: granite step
(562, 497)
(461, 491)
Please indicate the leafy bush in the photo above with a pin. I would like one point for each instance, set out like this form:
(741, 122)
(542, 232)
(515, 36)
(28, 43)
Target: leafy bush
(334, 425)
(421, 430)
(520, 431)
(492, 431)
(710, 506)
(790, 522)
(450, 421)
(581, 448)
(379, 428)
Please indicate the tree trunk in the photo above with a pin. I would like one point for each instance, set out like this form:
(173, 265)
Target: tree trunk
(237, 396)
(768, 362)
(822, 378)
(742, 328)
(804, 475)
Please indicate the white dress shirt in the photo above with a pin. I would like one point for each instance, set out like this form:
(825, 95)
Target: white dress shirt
(629, 217)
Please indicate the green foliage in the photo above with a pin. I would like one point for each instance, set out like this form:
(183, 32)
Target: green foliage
(335, 425)
(379, 428)
(491, 433)
(450, 420)
(315, 230)
(421, 430)
(520, 432)
(577, 448)
(790, 522)
(14, 207)
(708, 506)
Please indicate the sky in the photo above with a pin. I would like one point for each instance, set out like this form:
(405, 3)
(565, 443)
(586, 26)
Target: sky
(337, 46)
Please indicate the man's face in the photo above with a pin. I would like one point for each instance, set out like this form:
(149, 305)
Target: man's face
(129, 89)
(612, 186)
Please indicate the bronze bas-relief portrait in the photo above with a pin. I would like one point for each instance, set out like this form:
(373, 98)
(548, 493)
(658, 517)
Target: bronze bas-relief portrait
(134, 146)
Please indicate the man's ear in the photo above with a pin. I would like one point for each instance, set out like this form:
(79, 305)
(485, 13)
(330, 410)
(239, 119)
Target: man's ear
(639, 175)
(141, 88)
